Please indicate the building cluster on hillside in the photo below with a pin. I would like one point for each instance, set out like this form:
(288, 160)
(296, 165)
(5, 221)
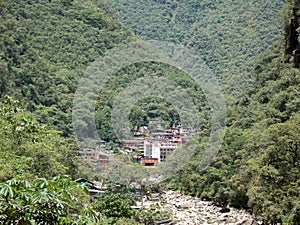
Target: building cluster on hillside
(98, 158)
(149, 146)
(152, 146)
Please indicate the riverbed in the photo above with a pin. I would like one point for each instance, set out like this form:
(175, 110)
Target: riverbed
(188, 210)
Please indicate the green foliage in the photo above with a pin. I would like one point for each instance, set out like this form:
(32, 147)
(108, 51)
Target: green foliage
(257, 167)
(228, 35)
(126, 221)
(147, 108)
(45, 46)
(114, 206)
(274, 187)
(42, 201)
(30, 148)
(121, 170)
(152, 214)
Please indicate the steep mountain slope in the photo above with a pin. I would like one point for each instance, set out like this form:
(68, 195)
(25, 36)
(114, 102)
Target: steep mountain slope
(45, 48)
(47, 45)
(258, 166)
(228, 35)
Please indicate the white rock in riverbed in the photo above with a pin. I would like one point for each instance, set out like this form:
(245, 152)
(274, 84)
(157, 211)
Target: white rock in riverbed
(189, 210)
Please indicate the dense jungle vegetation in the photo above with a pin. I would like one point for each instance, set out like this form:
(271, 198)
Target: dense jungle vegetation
(258, 165)
(45, 47)
(224, 33)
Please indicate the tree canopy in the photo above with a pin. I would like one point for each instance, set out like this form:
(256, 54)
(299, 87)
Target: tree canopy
(45, 47)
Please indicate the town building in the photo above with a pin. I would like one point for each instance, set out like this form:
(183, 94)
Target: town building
(152, 146)
(149, 147)
(98, 158)
(92, 188)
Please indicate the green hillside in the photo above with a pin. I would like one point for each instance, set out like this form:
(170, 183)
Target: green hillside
(228, 35)
(258, 166)
(45, 48)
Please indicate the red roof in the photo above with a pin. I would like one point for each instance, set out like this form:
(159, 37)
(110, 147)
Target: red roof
(150, 160)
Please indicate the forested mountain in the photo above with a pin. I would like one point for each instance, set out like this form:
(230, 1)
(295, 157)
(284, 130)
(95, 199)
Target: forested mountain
(45, 48)
(258, 165)
(228, 35)
(46, 45)
(151, 107)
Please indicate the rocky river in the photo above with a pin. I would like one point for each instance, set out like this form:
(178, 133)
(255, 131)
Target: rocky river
(189, 210)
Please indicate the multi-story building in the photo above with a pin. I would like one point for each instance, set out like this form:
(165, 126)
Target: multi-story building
(135, 146)
(98, 158)
(160, 143)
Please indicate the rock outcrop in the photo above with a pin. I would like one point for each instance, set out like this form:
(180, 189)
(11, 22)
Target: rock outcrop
(292, 47)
